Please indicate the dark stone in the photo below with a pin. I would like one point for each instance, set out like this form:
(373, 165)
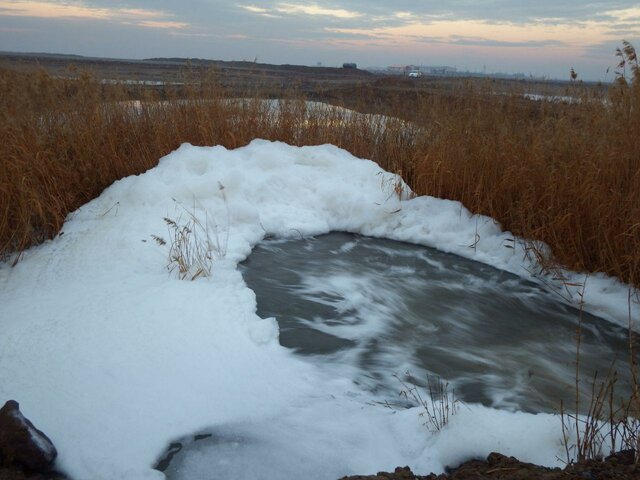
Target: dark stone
(495, 458)
(17, 473)
(501, 467)
(22, 444)
(404, 472)
(165, 461)
(624, 457)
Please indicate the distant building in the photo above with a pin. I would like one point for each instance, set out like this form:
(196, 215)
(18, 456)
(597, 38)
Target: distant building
(396, 69)
(419, 70)
(349, 65)
(438, 70)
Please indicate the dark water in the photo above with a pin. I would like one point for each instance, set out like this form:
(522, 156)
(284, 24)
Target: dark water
(380, 307)
(367, 309)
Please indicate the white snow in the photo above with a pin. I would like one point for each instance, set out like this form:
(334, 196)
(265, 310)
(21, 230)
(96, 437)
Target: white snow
(551, 98)
(113, 358)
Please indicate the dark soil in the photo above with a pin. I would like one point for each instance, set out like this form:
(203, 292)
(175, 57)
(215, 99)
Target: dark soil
(15, 473)
(620, 466)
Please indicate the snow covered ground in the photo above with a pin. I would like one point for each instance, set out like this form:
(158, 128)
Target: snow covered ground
(112, 357)
(551, 98)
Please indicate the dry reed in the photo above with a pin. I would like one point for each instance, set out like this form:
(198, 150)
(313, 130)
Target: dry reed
(566, 174)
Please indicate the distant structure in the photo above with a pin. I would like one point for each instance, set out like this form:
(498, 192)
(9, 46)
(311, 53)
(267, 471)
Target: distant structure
(349, 65)
(414, 71)
(419, 70)
(399, 69)
(438, 70)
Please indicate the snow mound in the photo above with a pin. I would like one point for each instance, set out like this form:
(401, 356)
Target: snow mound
(113, 358)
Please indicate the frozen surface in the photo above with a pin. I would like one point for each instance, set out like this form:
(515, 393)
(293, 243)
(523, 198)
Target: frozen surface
(113, 358)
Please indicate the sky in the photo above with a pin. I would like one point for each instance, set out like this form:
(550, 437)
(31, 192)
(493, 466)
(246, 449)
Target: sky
(541, 37)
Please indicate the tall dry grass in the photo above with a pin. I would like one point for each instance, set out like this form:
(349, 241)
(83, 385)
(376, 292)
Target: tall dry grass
(567, 174)
(62, 141)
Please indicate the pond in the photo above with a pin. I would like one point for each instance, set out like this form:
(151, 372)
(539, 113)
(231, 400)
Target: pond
(387, 307)
(377, 310)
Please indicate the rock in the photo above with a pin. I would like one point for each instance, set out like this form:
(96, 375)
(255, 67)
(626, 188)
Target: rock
(624, 457)
(404, 472)
(17, 473)
(21, 443)
(400, 473)
(496, 458)
(619, 466)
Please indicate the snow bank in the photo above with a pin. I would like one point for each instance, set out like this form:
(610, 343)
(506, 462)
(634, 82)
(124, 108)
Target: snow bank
(113, 358)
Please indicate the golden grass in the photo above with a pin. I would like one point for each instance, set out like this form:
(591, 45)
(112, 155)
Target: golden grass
(566, 174)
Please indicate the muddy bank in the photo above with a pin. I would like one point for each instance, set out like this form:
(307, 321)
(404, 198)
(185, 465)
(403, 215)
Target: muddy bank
(620, 466)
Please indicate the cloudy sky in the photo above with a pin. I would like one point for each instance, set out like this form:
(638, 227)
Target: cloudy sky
(542, 37)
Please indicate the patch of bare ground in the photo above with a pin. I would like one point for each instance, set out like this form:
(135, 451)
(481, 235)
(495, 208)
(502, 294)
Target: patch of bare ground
(620, 466)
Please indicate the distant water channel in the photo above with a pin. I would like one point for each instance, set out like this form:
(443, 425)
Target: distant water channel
(372, 309)
(388, 307)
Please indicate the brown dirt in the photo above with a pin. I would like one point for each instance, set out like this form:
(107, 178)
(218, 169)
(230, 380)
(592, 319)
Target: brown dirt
(14, 473)
(498, 467)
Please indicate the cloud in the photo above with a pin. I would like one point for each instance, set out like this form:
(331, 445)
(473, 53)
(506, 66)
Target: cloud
(515, 11)
(488, 42)
(263, 12)
(462, 32)
(210, 35)
(25, 8)
(625, 15)
(254, 9)
(291, 8)
(301, 9)
(79, 11)
(403, 15)
(486, 33)
(162, 24)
